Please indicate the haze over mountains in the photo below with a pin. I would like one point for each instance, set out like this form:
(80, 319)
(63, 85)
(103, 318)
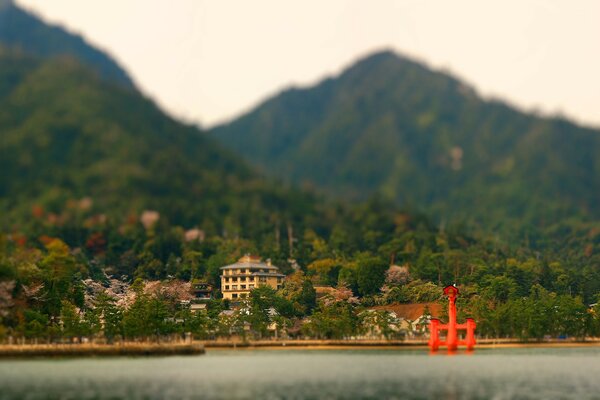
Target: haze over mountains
(66, 135)
(393, 127)
(73, 125)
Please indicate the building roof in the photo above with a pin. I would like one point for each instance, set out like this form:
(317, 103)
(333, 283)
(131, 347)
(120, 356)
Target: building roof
(270, 274)
(412, 311)
(321, 290)
(251, 262)
(196, 282)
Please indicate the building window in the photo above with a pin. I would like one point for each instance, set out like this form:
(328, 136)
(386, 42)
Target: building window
(278, 280)
(226, 287)
(243, 295)
(234, 279)
(234, 295)
(243, 279)
(243, 287)
(278, 287)
(226, 279)
(250, 286)
(233, 287)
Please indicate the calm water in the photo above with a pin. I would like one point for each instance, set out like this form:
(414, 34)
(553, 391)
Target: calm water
(296, 374)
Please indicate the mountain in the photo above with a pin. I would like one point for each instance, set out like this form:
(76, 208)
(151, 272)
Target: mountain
(22, 30)
(393, 127)
(68, 136)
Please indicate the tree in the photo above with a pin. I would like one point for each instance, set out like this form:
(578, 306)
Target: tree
(332, 321)
(59, 268)
(146, 317)
(300, 291)
(35, 324)
(325, 271)
(6, 298)
(70, 318)
(308, 297)
(370, 274)
(199, 324)
(377, 322)
(347, 277)
(109, 315)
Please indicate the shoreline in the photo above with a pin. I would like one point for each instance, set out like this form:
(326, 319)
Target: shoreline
(382, 345)
(99, 350)
(30, 351)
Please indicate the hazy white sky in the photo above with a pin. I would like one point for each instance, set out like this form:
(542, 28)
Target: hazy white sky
(208, 61)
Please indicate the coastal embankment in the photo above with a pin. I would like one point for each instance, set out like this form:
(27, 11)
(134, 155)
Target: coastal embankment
(133, 349)
(99, 350)
(387, 344)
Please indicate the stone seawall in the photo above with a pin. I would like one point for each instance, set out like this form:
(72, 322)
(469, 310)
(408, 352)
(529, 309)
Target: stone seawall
(83, 350)
(405, 344)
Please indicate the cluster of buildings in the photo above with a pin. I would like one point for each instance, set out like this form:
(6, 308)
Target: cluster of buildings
(249, 272)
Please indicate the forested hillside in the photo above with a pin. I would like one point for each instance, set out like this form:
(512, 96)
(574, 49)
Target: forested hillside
(427, 140)
(66, 135)
(110, 209)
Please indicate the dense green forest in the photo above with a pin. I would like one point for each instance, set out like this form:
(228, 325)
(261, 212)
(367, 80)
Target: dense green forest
(68, 136)
(426, 140)
(47, 279)
(101, 192)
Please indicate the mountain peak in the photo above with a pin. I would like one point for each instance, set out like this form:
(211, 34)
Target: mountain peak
(391, 125)
(383, 56)
(387, 56)
(25, 31)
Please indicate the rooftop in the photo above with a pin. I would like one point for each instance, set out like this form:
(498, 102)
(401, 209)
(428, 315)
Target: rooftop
(251, 262)
(412, 311)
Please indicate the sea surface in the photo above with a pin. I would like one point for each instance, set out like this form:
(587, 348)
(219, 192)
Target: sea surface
(564, 373)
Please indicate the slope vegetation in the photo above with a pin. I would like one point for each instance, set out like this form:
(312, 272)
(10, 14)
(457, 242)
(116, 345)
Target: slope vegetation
(66, 135)
(391, 126)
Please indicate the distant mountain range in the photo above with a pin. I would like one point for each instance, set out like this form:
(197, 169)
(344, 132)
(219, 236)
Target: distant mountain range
(22, 30)
(392, 127)
(73, 128)
(66, 134)
(72, 125)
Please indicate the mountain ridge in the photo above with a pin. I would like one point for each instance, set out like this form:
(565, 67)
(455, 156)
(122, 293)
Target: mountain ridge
(391, 126)
(67, 134)
(23, 30)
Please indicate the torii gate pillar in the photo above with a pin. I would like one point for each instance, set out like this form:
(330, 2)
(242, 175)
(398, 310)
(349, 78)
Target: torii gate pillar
(451, 327)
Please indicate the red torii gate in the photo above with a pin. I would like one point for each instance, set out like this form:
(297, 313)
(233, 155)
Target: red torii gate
(451, 327)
